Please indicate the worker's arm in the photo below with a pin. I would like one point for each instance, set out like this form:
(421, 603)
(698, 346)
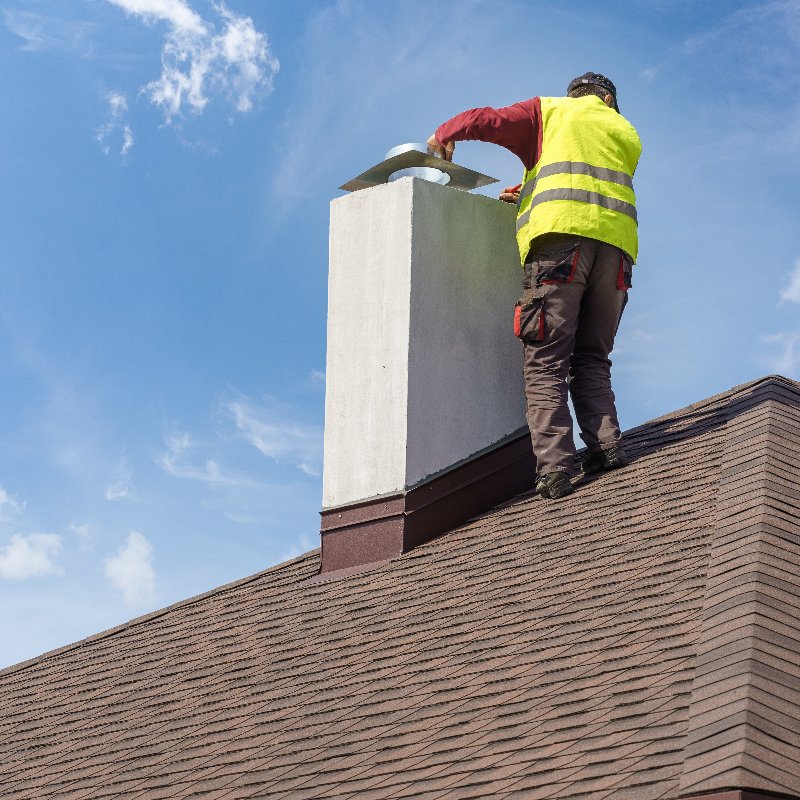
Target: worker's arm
(516, 127)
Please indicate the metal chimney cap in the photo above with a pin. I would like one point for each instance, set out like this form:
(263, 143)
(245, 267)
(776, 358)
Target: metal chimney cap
(416, 155)
(419, 147)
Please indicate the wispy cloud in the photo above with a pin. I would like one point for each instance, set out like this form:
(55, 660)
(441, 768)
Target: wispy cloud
(127, 141)
(184, 458)
(648, 75)
(117, 103)
(791, 292)
(785, 359)
(375, 60)
(279, 438)
(8, 502)
(30, 556)
(82, 532)
(131, 571)
(199, 57)
(115, 124)
(46, 32)
(229, 461)
(119, 487)
(757, 24)
(299, 545)
(748, 51)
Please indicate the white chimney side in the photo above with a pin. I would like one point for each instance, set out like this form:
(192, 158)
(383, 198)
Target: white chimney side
(423, 369)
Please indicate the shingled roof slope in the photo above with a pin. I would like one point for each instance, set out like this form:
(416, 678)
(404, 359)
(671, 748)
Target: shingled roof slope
(639, 640)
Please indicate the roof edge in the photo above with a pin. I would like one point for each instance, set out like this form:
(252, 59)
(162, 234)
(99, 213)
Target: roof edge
(732, 629)
(151, 615)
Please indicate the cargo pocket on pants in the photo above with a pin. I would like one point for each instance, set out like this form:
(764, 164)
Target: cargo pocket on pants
(529, 318)
(556, 267)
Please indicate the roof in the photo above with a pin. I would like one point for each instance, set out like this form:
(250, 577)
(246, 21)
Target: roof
(638, 640)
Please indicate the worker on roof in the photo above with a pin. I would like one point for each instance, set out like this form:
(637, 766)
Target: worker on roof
(577, 236)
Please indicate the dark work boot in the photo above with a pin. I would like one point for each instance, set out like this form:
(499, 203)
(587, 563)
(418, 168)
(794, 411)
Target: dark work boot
(554, 485)
(593, 461)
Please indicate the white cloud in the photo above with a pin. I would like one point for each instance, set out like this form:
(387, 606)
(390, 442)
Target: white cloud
(176, 12)
(82, 532)
(271, 432)
(787, 360)
(119, 488)
(791, 293)
(238, 482)
(30, 556)
(182, 460)
(44, 32)
(117, 108)
(6, 501)
(198, 58)
(118, 103)
(131, 571)
(282, 440)
(127, 141)
(648, 75)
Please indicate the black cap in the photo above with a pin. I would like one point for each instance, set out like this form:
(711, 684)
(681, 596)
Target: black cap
(596, 80)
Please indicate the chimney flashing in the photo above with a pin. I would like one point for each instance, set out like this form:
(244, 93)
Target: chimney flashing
(506, 440)
(383, 529)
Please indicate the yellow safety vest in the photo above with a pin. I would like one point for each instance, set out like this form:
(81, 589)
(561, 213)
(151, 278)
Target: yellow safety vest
(582, 182)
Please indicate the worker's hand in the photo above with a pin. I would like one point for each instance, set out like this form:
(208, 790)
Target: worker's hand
(445, 150)
(510, 194)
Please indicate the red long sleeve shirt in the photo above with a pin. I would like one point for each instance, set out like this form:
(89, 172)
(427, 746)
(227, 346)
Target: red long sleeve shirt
(518, 128)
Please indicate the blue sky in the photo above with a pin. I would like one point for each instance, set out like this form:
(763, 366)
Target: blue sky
(164, 252)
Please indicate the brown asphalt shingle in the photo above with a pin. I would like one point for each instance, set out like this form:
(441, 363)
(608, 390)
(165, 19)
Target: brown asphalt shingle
(746, 689)
(638, 640)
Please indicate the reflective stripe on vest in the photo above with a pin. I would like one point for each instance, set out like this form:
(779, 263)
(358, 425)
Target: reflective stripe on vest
(576, 168)
(582, 183)
(579, 196)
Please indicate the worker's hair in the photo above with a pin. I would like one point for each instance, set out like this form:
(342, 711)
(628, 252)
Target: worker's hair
(584, 89)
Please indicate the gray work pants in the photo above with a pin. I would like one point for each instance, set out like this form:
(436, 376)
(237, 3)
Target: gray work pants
(574, 292)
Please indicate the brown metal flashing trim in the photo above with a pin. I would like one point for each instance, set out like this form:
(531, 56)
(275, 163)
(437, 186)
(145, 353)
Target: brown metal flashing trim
(470, 490)
(362, 543)
(740, 794)
(384, 528)
(475, 471)
(368, 511)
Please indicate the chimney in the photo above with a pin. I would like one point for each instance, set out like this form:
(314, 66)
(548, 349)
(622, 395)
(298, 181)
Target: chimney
(424, 411)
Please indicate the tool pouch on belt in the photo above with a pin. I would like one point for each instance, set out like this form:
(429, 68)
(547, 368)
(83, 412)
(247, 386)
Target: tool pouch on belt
(529, 321)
